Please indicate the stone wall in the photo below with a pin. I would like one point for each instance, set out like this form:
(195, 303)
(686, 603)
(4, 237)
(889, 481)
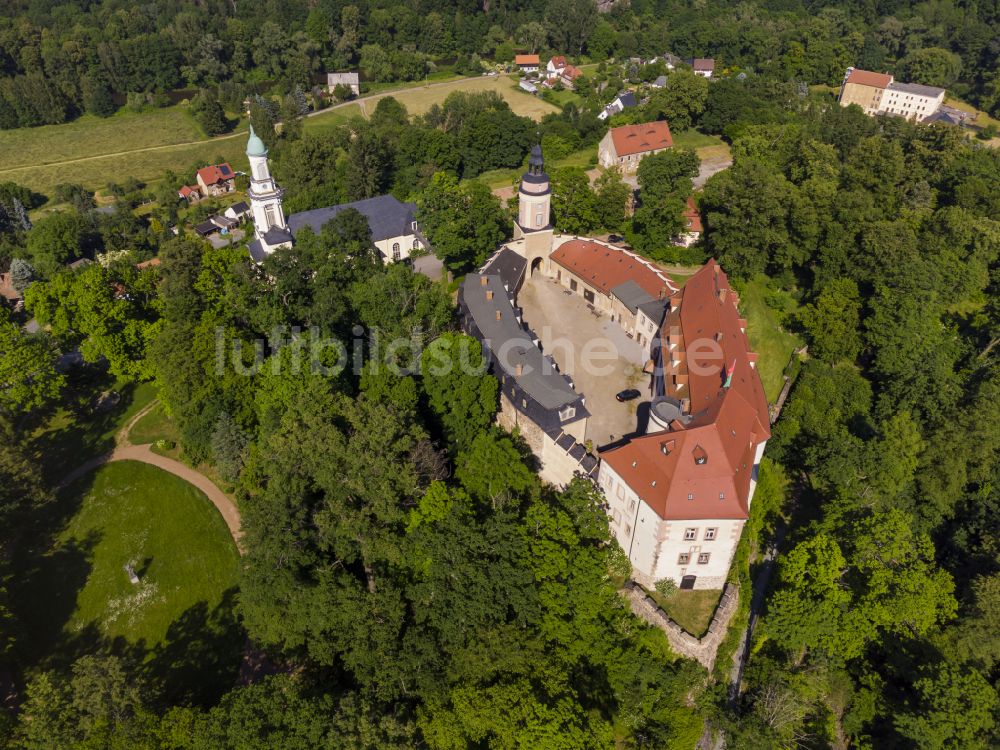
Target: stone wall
(702, 650)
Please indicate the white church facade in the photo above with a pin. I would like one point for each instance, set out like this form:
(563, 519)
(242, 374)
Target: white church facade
(394, 228)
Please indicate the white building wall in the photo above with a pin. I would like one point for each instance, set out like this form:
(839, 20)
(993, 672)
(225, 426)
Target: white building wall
(909, 105)
(407, 244)
(654, 546)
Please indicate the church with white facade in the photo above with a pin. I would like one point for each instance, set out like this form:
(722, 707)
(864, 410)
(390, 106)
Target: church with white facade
(393, 225)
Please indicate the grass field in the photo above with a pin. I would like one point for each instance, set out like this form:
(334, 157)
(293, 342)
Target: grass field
(772, 342)
(74, 596)
(93, 151)
(155, 425)
(694, 139)
(692, 610)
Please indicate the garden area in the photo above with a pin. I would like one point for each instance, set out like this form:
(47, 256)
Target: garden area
(74, 591)
(692, 609)
(775, 345)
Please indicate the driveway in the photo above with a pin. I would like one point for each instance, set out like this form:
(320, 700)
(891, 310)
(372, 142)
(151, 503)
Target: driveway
(573, 335)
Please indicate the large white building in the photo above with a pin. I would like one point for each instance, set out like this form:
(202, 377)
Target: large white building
(394, 229)
(880, 93)
(679, 495)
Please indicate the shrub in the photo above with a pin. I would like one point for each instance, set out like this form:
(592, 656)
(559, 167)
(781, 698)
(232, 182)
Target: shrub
(665, 587)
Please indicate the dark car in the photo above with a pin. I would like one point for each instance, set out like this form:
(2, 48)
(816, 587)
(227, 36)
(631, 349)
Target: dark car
(628, 394)
(615, 238)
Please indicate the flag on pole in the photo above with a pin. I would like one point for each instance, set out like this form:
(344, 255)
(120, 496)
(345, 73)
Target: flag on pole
(729, 374)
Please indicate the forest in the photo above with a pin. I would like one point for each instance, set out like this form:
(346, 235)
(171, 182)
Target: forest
(59, 60)
(409, 579)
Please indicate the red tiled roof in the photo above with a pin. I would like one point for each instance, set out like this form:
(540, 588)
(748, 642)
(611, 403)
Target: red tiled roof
(572, 72)
(526, 59)
(605, 267)
(638, 139)
(868, 78)
(185, 191)
(691, 216)
(726, 425)
(559, 61)
(703, 63)
(216, 173)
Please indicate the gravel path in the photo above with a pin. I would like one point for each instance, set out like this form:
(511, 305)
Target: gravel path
(126, 451)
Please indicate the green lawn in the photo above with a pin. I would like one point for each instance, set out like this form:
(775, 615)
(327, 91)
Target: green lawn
(75, 432)
(692, 610)
(694, 139)
(772, 342)
(74, 597)
(155, 425)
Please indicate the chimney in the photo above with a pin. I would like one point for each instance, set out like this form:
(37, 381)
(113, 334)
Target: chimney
(722, 295)
(519, 369)
(498, 315)
(482, 281)
(489, 294)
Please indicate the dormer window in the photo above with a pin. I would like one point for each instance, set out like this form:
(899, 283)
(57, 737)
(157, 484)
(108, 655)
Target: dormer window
(700, 456)
(568, 413)
(666, 446)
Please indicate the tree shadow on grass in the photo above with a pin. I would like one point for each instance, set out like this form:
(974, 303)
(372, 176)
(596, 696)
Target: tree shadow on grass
(200, 658)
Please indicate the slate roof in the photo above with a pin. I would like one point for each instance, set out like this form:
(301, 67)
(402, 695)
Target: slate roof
(943, 117)
(660, 82)
(387, 216)
(528, 378)
(509, 266)
(916, 88)
(205, 228)
(631, 295)
(627, 100)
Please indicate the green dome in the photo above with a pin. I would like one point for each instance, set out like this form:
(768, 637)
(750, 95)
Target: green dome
(255, 146)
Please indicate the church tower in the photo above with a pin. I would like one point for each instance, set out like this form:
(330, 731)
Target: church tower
(265, 203)
(534, 213)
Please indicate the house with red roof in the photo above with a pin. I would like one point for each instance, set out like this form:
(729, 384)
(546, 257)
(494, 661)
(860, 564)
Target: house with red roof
(527, 63)
(569, 75)
(679, 495)
(190, 193)
(692, 224)
(626, 146)
(556, 66)
(217, 179)
(615, 282)
(879, 93)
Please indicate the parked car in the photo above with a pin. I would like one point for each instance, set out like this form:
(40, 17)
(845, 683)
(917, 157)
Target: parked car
(628, 394)
(615, 238)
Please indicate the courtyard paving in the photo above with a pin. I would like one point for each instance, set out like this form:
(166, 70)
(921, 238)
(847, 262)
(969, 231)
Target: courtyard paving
(572, 335)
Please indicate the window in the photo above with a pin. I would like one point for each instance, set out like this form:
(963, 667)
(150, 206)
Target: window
(710, 534)
(617, 517)
(683, 558)
(416, 244)
(568, 413)
(395, 251)
(269, 214)
(628, 530)
(690, 534)
(621, 492)
(538, 220)
(631, 506)
(703, 558)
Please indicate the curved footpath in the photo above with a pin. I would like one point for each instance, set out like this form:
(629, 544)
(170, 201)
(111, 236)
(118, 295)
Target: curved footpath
(126, 451)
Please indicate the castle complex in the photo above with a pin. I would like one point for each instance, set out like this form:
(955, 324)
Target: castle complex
(679, 485)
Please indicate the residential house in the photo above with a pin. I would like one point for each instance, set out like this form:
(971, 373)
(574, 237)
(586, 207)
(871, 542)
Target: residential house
(626, 146)
(351, 80)
(679, 496)
(556, 66)
(217, 179)
(703, 66)
(671, 61)
(692, 224)
(659, 83)
(625, 100)
(527, 63)
(190, 193)
(879, 93)
(569, 75)
(238, 212)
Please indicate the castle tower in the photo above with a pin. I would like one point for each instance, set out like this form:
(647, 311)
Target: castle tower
(265, 203)
(534, 213)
